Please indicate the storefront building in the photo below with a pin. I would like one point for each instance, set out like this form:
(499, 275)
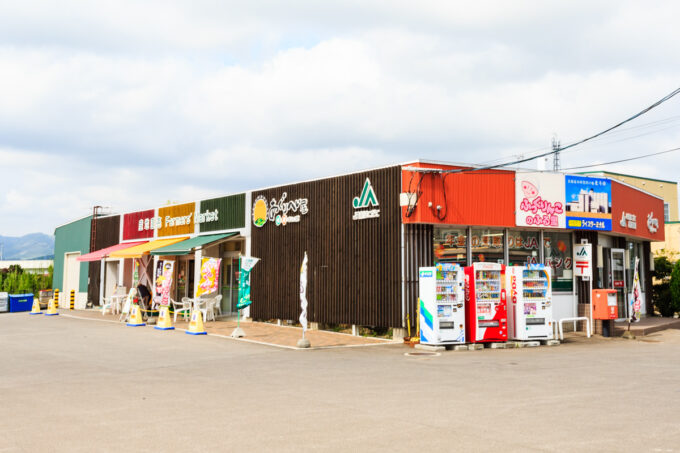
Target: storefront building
(70, 242)
(136, 248)
(367, 233)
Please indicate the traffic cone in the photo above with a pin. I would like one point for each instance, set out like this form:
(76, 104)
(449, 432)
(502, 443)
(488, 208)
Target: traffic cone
(164, 320)
(36, 308)
(135, 317)
(196, 324)
(51, 308)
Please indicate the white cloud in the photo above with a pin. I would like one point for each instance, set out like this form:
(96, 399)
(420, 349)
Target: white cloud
(133, 104)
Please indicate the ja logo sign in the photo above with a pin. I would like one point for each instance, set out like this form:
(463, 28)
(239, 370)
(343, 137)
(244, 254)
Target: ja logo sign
(366, 200)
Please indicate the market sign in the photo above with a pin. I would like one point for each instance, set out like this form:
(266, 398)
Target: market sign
(132, 222)
(635, 212)
(223, 213)
(588, 203)
(366, 200)
(281, 211)
(583, 260)
(539, 200)
(178, 219)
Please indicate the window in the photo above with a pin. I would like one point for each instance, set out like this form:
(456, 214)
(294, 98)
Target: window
(666, 212)
(450, 245)
(523, 247)
(557, 251)
(487, 245)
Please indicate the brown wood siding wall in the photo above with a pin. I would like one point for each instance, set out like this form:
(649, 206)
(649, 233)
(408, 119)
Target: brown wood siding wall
(418, 252)
(106, 233)
(354, 269)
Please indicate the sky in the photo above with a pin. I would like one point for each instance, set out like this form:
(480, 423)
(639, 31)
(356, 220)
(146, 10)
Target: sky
(134, 104)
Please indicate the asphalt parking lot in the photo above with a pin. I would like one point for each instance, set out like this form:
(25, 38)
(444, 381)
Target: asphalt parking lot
(80, 385)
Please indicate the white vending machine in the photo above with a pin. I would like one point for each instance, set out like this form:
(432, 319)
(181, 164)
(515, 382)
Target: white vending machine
(442, 304)
(529, 302)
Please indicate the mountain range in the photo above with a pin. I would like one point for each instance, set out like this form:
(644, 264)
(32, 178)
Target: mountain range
(27, 247)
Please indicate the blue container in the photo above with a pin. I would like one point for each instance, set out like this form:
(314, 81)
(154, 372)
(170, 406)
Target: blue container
(20, 302)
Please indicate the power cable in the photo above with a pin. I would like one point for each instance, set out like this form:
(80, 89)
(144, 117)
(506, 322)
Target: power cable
(624, 160)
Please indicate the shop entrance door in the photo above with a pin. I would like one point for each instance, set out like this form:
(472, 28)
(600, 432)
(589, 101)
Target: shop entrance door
(229, 284)
(618, 280)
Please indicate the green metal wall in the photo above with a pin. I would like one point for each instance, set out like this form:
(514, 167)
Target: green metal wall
(232, 212)
(72, 237)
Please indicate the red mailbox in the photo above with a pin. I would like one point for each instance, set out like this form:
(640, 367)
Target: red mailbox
(604, 304)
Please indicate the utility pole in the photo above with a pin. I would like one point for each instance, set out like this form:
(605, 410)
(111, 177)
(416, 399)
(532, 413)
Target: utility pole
(556, 154)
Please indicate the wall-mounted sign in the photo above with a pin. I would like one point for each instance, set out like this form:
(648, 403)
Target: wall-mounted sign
(208, 216)
(281, 211)
(539, 200)
(588, 203)
(366, 200)
(652, 223)
(177, 219)
(628, 220)
(583, 260)
(131, 222)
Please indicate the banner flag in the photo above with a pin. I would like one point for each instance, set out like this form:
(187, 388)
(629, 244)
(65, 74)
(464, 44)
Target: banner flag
(246, 265)
(636, 295)
(210, 276)
(303, 293)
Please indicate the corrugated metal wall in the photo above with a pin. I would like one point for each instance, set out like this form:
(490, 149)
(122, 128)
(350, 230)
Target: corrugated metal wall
(72, 237)
(418, 252)
(105, 232)
(354, 265)
(131, 225)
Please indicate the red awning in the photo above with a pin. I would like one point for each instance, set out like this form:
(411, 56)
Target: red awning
(103, 253)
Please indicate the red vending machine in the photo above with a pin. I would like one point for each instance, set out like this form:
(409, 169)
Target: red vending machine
(487, 318)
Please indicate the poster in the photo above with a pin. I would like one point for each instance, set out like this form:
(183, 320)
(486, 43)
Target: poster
(588, 203)
(246, 264)
(210, 276)
(539, 200)
(164, 274)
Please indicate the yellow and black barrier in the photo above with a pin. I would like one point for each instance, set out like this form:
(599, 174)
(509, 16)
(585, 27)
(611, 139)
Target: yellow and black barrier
(56, 297)
(73, 300)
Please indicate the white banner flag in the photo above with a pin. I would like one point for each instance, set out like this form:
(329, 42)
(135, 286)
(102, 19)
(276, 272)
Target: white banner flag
(303, 293)
(636, 296)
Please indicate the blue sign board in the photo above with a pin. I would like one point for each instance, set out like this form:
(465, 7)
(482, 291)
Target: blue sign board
(589, 203)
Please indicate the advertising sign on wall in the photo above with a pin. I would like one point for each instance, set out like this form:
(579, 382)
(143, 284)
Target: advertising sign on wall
(178, 219)
(588, 203)
(583, 260)
(281, 212)
(636, 213)
(539, 200)
(132, 222)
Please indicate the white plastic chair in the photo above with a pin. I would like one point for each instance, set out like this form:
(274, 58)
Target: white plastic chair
(218, 304)
(207, 307)
(184, 306)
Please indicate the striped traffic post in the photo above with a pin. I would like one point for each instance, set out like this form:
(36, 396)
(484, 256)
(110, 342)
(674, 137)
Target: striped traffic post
(73, 299)
(56, 297)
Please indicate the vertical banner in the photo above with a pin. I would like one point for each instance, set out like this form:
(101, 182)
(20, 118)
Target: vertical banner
(636, 295)
(210, 276)
(135, 273)
(303, 294)
(247, 263)
(164, 276)
(158, 280)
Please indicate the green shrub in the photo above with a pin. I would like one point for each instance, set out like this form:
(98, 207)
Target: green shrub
(673, 305)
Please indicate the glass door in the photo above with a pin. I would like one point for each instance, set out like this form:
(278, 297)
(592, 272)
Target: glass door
(229, 284)
(618, 280)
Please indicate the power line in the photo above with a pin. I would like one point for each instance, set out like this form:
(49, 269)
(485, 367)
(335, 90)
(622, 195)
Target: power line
(551, 152)
(624, 160)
